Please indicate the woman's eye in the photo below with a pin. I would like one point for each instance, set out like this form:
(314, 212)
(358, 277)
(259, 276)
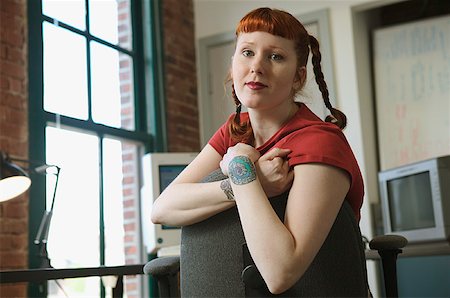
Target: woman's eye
(247, 53)
(276, 57)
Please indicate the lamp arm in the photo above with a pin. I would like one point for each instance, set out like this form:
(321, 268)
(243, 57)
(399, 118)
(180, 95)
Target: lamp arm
(42, 234)
(28, 161)
(41, 240)
(43, 228)
(56, 186)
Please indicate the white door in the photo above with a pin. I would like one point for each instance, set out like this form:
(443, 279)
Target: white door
(222, 104)
(215, 102)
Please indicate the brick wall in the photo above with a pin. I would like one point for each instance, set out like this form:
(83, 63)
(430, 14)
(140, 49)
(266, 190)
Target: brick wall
(180, 76)
(13, 135)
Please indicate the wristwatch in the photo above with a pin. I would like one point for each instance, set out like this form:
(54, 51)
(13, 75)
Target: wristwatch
(226, 187)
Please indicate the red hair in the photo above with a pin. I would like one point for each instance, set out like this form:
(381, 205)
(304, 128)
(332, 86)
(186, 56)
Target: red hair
(279, 23)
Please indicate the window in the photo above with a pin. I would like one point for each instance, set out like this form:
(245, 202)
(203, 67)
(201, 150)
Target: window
(89, 116)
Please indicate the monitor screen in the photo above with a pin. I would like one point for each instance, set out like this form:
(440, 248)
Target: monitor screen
(167, 173)
(411, 202)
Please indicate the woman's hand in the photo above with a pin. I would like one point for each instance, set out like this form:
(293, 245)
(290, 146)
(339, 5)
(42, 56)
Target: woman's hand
(239, 149)
(272, 168)
(274, 172)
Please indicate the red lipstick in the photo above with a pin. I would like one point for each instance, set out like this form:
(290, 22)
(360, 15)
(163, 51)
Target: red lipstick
(255, 85)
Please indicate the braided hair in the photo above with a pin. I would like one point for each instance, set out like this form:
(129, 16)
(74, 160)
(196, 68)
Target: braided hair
(336, 117)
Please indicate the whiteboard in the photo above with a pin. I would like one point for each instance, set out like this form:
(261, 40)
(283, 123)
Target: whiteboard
(412, 91)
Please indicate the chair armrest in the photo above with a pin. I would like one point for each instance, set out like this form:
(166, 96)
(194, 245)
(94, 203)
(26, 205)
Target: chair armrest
(388, 242)
(163, 266)
(388, 247)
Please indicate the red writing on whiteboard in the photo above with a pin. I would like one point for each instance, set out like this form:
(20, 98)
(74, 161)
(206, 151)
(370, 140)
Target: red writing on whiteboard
(400, 111)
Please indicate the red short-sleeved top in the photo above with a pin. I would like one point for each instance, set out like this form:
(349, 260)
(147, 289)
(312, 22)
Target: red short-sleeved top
(311, 141)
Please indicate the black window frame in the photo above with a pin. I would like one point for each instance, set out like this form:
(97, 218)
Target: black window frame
(150, 128)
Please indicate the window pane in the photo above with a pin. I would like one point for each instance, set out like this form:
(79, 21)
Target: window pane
(65, 82)
(121, 209)
(74, 231)
(77, 198)
(110, 20)
(74, 287)
(113, 203)
(71, 12)
(73, 240)
(112, 87)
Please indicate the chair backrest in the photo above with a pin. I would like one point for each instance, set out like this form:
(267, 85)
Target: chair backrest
(212, 252)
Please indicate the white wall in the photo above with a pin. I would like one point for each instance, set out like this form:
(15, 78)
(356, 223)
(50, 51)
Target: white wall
(221, 16)
(218, 16)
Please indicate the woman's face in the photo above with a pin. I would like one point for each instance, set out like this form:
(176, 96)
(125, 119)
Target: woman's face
(264, 70)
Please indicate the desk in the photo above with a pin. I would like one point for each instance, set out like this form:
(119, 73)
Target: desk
(40, 275)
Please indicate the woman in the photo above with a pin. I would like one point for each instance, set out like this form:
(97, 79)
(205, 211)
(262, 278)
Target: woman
(278, 145)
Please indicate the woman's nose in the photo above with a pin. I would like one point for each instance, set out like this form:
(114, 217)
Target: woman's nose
(257, 65)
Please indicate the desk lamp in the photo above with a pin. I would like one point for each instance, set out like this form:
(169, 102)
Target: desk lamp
(14, 180)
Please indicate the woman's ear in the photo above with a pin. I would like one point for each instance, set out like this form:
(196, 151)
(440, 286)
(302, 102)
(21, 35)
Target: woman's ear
(300, 78)
(229, 77)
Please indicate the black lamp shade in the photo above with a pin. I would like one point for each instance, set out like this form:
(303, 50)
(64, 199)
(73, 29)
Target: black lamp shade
(13, 179)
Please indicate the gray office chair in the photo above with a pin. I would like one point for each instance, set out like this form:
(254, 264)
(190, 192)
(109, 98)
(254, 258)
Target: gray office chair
(215, 262)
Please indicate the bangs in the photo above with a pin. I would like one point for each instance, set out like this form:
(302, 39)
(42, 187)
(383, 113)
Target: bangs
(271, 21)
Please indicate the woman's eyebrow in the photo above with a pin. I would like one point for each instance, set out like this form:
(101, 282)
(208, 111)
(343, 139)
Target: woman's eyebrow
(247, 43)
(272, 47)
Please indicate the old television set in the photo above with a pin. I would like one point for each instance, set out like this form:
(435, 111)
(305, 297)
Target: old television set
(159, 170)
(415, 200)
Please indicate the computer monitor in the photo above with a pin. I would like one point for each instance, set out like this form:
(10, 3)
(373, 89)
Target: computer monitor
(415, 200)
(159, 170)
